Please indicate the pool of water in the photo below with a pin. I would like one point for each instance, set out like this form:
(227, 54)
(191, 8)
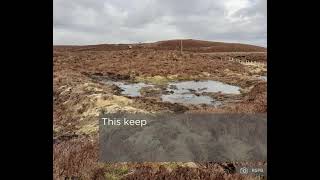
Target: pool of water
(190, 99)
(203, 86)
(184, 92)
(132, 90)
(186, 99)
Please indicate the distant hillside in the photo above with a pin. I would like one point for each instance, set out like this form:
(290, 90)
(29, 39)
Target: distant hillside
(208, 46)
(188, 45)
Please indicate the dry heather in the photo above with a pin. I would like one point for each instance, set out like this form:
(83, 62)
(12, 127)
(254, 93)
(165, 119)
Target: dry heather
(79, 97)
(76, 158)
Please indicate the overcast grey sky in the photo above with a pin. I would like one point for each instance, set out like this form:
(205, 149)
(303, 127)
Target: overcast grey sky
(79, 22)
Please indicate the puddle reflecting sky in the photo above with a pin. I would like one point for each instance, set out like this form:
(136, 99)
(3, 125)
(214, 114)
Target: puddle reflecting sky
(183, 92)
(133, 89)
(204, 86)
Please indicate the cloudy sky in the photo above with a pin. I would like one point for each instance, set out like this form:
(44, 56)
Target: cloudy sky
(80, 22)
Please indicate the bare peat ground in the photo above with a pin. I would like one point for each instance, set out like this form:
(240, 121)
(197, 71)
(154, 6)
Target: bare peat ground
(79, 97)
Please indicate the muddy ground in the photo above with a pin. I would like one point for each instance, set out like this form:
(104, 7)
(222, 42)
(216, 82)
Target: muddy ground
(80, 96)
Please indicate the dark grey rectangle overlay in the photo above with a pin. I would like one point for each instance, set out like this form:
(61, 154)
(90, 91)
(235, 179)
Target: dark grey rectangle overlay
(196, 137)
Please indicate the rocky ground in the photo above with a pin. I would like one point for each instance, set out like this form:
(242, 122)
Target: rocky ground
(80, 96)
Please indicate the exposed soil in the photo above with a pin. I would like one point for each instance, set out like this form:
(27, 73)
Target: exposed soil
(80, 96)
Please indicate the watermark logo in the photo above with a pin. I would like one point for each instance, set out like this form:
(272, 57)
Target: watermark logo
(243, 170)
(253, 170)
